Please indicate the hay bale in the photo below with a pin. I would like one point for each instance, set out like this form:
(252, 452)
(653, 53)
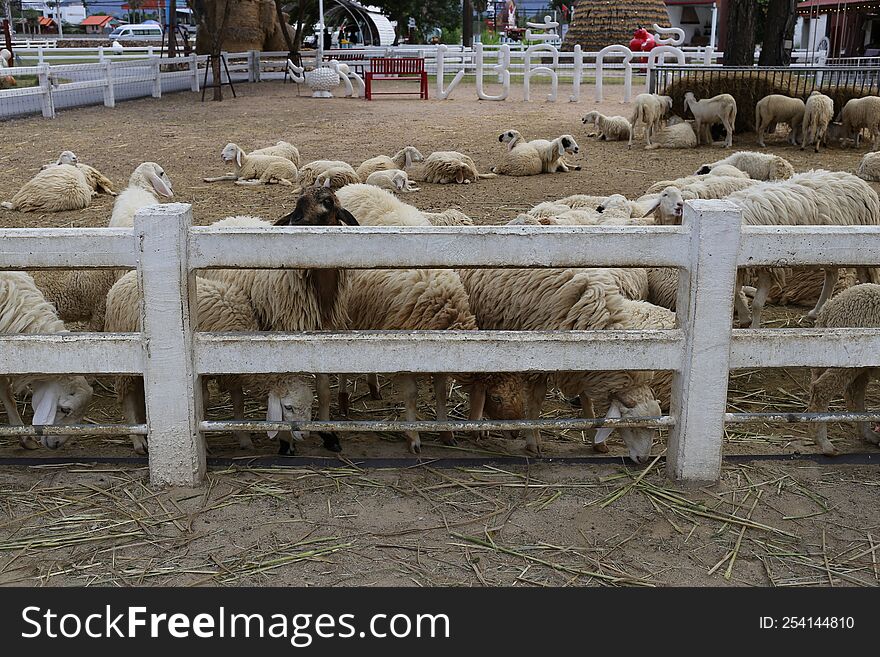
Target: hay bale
(600, 23)
(748, 87)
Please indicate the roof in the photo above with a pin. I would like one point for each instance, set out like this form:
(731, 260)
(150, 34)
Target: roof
(46, 22)
(829, 6)
(100, 21)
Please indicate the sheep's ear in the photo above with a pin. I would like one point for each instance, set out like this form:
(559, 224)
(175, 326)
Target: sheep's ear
(160, 186)
(652, 208)
(238, 156)
(407, 159)
(703, 170)
(45, 402)
(327, 183)
(274, 412)
(602, 434)
(459, 177)
(346, 217)
(285, 220)
(560, 148)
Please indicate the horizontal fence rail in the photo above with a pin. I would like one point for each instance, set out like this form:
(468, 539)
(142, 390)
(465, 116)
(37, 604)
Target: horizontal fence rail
(167, 251)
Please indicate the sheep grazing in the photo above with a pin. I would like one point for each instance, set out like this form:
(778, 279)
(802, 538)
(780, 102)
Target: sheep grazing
(521, 158)
(650, 110)
(444, 167)
(709, 111)
(221, 307)
(281, 149)
(55, 399)
(677, 135)
(855, 307)
(777, 108)
(862, 114)
(403, 159)
(869, 167)
(611, 128)
(819, 113)
(759, 166)
(394, 180)
(256, 169)
(338, 173)
(58, 188)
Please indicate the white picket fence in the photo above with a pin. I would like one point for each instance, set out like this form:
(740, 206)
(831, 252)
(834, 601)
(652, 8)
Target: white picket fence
(166, 250)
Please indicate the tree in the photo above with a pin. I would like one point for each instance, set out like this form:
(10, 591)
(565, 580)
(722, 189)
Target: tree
(280, 12)
(445, 14)
(742, 23)
(213, 16)
(778, 32)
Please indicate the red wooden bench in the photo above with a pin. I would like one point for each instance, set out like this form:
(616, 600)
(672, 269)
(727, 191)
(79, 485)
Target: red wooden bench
(396, 68)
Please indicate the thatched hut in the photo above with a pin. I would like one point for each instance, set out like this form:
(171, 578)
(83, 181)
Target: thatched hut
(252, 25)
(600, 23)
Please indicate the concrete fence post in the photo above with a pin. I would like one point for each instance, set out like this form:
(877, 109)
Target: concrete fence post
(253, 65)
(109, 89)
(157, 79)
(194, 69)
(47, 101)
(171, 387)
(705, 314)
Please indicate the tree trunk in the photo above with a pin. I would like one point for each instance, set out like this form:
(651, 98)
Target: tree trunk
(218, 33)
(778, 33)
(284, 31)
(299, 33)
(467, 24)
(172, 31)
(741, 22)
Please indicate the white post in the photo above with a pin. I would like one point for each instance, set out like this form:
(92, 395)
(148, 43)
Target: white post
(109, 90)
(319, 56)
(40, 61)
(101, 54)
(47, 102)
(577, 73)
(157, 79)
(705, 314)
(712, 43)
(253, 66)
(171, 387)
(194, 69)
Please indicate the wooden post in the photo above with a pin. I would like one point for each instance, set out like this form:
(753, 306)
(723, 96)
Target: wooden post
(171, 387)
(705, 314)
(253, 65)
(109, 89)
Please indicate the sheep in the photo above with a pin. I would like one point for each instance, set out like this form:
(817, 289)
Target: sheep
(403, 159)
(869, 167)
(709, 111)
(55, 399)
(256, 169)
(552, 153)
(318, 172)
(394, 180)
(450, 217)
(444, 167)
(58, 188)
(862, 114)
(855, 307)
(819, 113)
(567, 299)
(96, 180)
(79, 295)
(376, 207)
(777, 108)
(66, 157)
(649, 109)
(297, 299)
(520, 159)
(221, 307)
(281, 149)
(758, 166)
(611, 128)
(678, 135)
(704, 185)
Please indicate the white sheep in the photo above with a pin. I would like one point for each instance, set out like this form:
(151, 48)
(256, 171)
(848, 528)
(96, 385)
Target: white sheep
(403, 159)
(58, 188)
(374, 206)
(650, 110)
(759, 166)
(281, 149)
(520, 159)
(56, 399)
(444, 167)
(147, 183)
(611, 128)
(862, 114)
(704, 186)
(855, 307)
(450, 217)
(394, 180)
(869, 167)
(221, 307)
(676, 135)
(818, 114)
(66, 157)
(777, 108)
(320, 171)
(709, 111)
(256, 169)
(552, 153)
(96, 180)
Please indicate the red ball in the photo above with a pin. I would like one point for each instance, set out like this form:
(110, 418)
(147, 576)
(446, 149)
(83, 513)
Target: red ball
(636, 44)
(648, 44)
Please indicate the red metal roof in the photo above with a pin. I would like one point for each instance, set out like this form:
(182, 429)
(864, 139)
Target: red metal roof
(100, 21)
(46, 22)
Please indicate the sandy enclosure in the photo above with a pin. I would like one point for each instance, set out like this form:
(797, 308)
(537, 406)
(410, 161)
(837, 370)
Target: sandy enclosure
(424, 525)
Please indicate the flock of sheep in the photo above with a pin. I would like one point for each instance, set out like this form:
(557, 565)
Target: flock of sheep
(764, 186)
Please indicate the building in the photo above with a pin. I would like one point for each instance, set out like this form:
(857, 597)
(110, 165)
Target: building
(72, 12)
(699, 20)
(99, 24)
(852, 27)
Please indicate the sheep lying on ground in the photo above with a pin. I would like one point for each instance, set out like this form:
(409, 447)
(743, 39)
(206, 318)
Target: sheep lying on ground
(869, 167)
(520, 159)
(320, 171)
(709, 111)
(395, 180)
(403, 160)
(759, 166)
(147, 183)
(58, 188)
(256, 169)
(650, 110)
(862, 114)
(856, 307)
(704, 185)
(819, 113)
(777, 108)
(221, 307)
(66, 157)
(611, 128)
(444, 167)
(375, 207)
(58, 399)
(553, 152)
(677, 135)
(450, 217)
(282, 149)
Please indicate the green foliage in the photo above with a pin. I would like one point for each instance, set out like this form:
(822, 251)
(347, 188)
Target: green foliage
(445, 14)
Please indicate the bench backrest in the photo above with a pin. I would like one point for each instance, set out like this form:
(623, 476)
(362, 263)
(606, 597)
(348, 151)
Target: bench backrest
(390, 65)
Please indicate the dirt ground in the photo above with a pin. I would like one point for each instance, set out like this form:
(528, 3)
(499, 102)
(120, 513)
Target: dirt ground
(538, 524)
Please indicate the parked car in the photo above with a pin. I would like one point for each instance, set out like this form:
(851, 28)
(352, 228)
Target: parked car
(136, 32)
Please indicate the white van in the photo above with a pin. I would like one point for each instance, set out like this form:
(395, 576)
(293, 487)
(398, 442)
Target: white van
(137, 32)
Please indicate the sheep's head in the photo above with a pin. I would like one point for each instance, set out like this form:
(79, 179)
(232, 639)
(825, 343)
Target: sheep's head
(67, 157)
(668, 207)
(666, 103)
(567, 144)
(400, 180)
(505, 397)
(151, 177)
(318, 206)
(637, 440)
(411, 154)
(290, 400)
(60, 401)
(614, 201)
(231, 153)
(590, 117)
(510, 137)
(703, 170)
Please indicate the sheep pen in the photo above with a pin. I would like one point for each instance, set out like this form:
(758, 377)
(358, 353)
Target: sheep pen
(546, 505)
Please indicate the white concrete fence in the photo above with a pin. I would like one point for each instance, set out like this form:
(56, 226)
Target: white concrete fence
(167, 250)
